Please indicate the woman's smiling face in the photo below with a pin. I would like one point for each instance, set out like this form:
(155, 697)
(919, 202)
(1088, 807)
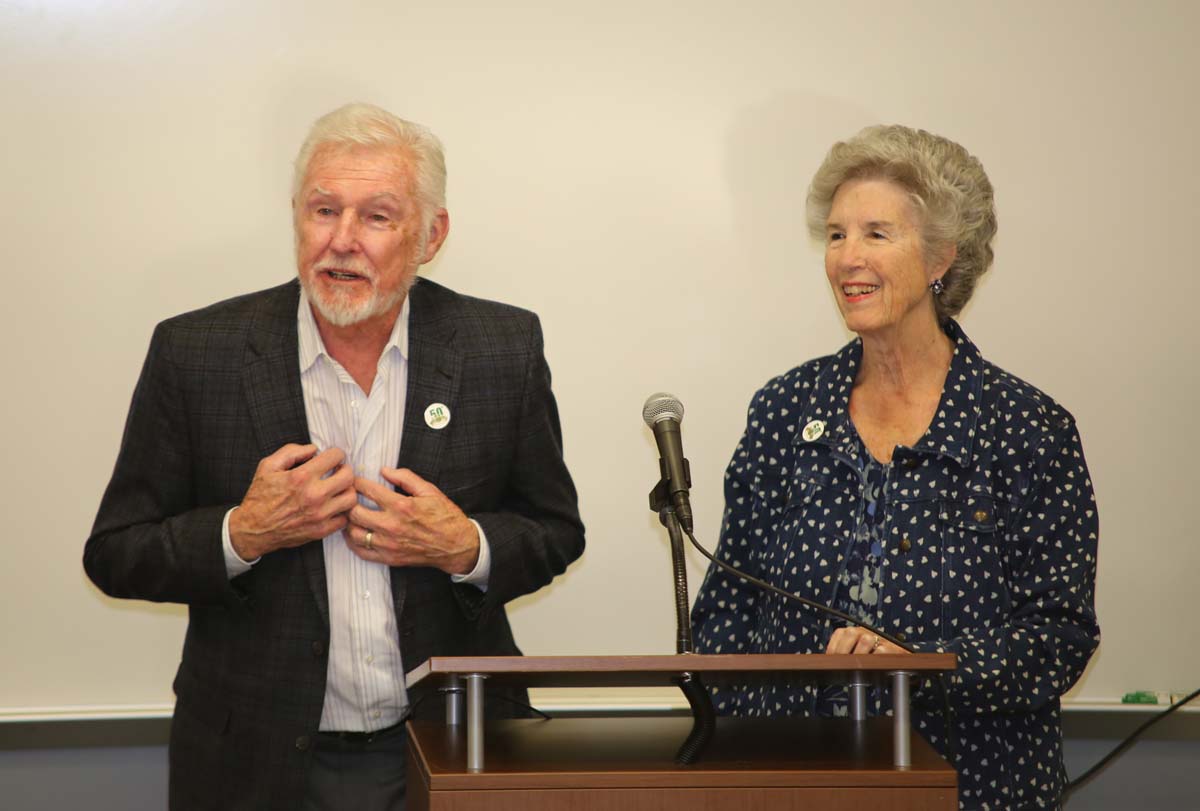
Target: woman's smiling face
(875, 259)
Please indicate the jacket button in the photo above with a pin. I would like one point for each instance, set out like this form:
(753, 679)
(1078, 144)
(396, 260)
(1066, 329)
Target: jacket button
(899, 636)
(905, 545)
(318, 648)
(302, 743)
(981, 515)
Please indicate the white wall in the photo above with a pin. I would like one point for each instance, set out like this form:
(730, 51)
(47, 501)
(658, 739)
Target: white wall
(603, 157)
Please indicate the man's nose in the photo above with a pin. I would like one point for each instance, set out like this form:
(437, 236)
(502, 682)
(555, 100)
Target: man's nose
(345, 237)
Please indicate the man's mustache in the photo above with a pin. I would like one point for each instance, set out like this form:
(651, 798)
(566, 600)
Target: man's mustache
(355, 266)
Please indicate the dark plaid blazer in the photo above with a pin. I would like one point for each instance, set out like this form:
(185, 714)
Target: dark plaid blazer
(220, 389)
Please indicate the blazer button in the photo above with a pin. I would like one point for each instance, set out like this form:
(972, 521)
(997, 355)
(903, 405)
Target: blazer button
(318, 648)
(905, 545)
(302, 743)
(912, 462)
(981, 515)
(899, 636)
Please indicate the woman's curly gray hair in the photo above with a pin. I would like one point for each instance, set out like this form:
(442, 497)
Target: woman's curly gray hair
(947, 184)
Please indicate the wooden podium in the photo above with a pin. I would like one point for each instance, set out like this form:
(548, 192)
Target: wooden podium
(628, 764)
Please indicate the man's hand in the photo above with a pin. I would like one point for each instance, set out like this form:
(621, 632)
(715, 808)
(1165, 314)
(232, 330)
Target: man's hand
(292, 501)
(416, 527)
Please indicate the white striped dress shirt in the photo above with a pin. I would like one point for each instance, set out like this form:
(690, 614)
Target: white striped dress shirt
(364, 688)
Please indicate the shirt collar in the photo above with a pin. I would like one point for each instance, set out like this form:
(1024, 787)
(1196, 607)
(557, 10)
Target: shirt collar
(952, 431)
(312, 347)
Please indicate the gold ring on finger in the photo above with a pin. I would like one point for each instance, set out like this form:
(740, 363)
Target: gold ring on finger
(369, 543)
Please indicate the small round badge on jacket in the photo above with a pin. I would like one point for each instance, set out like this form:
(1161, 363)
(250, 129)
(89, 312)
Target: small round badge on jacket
(437, 416)
(813, 430)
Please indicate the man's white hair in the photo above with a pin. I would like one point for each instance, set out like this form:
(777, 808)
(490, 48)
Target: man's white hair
(367, 125)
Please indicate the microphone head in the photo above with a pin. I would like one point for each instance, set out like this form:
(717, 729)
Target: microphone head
(662, 406)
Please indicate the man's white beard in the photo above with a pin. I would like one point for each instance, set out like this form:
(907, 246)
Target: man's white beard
(345, 310)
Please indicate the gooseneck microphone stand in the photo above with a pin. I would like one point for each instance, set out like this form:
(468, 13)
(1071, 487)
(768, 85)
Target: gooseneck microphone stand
(703, 716)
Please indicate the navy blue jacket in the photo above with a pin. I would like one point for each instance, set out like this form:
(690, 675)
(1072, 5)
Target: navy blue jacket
(989, 553)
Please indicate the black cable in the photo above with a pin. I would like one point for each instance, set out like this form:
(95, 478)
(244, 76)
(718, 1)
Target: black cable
(1125, 744)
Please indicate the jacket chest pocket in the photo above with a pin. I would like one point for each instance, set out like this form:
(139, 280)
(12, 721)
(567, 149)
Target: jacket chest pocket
(975, 567)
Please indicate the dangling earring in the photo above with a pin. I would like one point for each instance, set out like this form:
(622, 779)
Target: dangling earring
(937, 286)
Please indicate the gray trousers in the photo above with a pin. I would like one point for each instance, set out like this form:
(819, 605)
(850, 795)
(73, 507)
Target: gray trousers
(356, 772)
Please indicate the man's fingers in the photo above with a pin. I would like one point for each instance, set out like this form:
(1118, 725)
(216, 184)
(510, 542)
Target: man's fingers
(332, 525)
(379, 493)
(287, 457)
(324, 462)
(338, 482)
(340, 503)
(409, 482)
(365, 517)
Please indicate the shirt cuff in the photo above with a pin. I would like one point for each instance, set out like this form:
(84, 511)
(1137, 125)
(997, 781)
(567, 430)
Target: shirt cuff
(234, 565)
(478, 576)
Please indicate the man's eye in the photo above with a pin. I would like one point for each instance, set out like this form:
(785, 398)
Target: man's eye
(325, 211)
(379, 218)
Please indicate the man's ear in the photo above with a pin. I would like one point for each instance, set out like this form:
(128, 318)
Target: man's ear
(439, 229)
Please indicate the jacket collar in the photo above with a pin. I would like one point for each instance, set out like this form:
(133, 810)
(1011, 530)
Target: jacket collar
(952, 432)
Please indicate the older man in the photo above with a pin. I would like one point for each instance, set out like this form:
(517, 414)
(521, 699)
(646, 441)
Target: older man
(341, 477)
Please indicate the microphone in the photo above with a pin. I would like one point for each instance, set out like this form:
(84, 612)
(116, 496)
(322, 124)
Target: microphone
(663, 413)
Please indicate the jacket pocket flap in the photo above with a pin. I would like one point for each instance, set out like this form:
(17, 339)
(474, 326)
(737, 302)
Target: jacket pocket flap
(977, 513)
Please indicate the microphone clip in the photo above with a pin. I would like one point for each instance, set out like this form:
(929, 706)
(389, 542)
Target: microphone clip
(660, 496)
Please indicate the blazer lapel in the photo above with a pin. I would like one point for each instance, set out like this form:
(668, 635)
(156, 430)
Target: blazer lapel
(434, 373)
(271, 380)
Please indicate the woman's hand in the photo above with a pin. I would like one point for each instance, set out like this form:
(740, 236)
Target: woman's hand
(859, 641)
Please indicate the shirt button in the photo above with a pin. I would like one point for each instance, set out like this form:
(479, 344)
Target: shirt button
(366, 595)
(302, 743)
(905, 545)
(354, 403)
(376, 714)
(370, 658)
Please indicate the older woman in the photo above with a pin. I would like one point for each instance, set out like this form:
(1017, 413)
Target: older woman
(914, 485)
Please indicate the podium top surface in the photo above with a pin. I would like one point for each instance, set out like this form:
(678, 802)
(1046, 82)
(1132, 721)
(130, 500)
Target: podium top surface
(659, 670)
